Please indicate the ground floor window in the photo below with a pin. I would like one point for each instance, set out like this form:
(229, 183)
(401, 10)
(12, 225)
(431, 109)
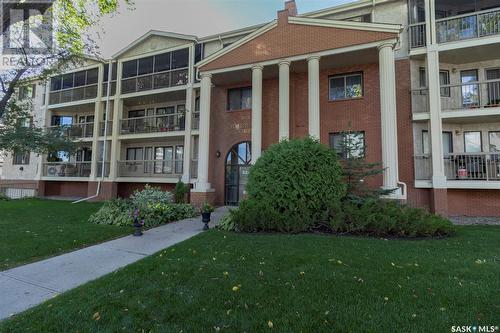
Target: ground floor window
(21, 158)
(348, 144)
(473, 142)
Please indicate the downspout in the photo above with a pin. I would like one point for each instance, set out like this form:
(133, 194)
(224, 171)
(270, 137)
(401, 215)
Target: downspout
(105, 144)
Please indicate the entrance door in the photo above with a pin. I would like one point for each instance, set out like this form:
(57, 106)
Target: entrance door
(237, 167)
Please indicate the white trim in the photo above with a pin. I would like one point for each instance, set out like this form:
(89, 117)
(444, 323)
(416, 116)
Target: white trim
(156, 52)
(237, 44)
(154, 33)
(159, 179)
(230, 34)
(135, 136)
(364, 26)
(478, 41)
(472, 184)
(423, 184)
(66, 179)
(346, 49)
(344, 8)
(75, 103)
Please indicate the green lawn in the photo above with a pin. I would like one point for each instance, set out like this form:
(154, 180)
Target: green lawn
(297, 283)
(33, 229)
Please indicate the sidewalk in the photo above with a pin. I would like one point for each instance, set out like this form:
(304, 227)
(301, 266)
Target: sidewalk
(26, 286)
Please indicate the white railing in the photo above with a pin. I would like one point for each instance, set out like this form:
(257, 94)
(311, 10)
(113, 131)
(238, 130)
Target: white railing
(151, 168)
(472, 166)
(145, 82)
(195, 120)
(467, 26)
(423, 167)
(465, 96)
(66, 169)
(73, 94)
(76, 131)
(416, 33)
(151, 124)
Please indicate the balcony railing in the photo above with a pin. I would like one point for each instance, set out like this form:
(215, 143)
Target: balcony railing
(466, 96)
(472, 166)
(195, 121)
(73, 94)
(76, 131)
(66, 169)
(109, 130)
(194, 168)
(423, 167)
(417, 35)
(151, 124)
(151, 168)
(476, 25)
(105, 89)
(461, 166)
(155, 81)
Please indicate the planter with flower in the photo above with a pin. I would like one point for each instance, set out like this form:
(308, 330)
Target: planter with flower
(138, 222)
(206, 211)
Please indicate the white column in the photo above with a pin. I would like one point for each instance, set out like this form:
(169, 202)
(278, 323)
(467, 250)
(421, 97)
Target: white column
(95, 140)
(313, 95)
(186, 174)
(284, 100)
(387, 77)
(256, 112)
(202, 185)
(436, 140)
(117, 116)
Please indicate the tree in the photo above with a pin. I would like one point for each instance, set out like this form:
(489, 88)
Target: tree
(356, 169)
(62, 27)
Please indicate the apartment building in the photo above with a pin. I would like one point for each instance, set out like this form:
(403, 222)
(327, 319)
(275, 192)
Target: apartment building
(417, 80)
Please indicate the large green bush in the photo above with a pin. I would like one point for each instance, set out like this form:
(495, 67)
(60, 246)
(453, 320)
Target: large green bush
(295, 186)
(388, 218)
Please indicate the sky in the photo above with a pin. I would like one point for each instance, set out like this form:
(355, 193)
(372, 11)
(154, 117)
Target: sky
(192, 17)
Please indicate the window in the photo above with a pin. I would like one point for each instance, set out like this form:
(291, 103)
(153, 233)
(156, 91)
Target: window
(72, 80)
(21, 158)
(134, 154)
(25, 122)
(472, 142)
(113, 72)
(361, 18)
(447, 142)
(162, 62)
(352, 143)
(145, 66)
(494, 138)
(493, 87)
(61, 120)
(346, 86)
(470, 89)
(239, 98)
(417, 11)
(444, 79)
(129, 68)
(199, 52)
(178, 59)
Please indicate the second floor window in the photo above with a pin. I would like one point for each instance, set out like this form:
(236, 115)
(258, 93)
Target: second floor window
(346, 86)
(239, 98)
(21, 158)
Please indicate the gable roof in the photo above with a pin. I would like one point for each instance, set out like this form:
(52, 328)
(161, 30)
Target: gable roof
(154, 33)
(291, 36)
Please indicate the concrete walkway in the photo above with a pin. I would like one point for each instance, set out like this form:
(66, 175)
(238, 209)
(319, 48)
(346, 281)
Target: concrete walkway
(26, 286)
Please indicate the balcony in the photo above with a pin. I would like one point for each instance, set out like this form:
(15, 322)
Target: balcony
(153, 124)
(160, 80)
(112, 92)
(417, 35)
(151, 168)
(76, 131)
(195, 121)
(66, 169)
(462, 27)
(468, 97)
(462, 167)
(73, 94)
(109, 130)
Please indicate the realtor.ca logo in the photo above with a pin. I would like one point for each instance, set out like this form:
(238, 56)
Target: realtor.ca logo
(26, 27)
(475, 329)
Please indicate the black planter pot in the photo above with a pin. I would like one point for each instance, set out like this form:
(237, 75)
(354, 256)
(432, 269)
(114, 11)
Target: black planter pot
(205, 218)
(138, 228)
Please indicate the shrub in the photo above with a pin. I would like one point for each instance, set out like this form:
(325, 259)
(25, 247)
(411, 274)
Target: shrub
(115, 212)
(387, 218)
(180, 192)
(119, 212)
(227, 222)
(4, 197)
(151, 195)
(293, 187)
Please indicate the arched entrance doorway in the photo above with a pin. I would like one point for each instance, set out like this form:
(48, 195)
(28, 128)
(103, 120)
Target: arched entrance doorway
(237, 166)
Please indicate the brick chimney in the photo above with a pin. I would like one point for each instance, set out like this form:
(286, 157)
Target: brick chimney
(291, 7)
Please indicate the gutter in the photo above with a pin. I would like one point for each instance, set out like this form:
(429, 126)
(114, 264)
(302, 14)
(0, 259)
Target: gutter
(105, 144)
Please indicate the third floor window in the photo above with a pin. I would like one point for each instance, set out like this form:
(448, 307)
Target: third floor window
(73, 80)
(159, 63)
